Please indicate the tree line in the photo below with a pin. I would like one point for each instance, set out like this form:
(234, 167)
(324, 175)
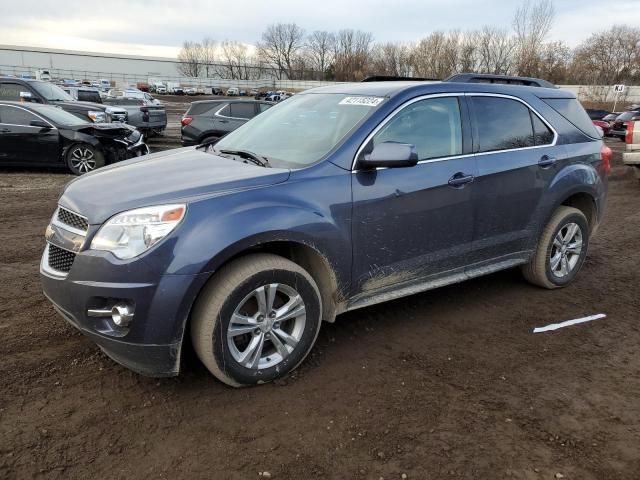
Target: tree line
(286, 50)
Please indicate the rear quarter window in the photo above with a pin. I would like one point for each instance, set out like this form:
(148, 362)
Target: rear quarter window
(571, 109)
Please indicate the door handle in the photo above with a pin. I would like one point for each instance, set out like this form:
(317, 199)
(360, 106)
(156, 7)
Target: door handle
(546, 161)
(460, 179)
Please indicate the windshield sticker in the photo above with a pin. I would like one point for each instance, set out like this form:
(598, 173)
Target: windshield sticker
(364, 101)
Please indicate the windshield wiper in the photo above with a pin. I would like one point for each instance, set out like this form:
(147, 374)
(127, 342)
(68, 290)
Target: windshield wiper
(250, 156)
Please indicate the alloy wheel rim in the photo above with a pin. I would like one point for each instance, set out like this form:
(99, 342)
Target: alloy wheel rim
(565, 250)
(82, 159)
(266, 326)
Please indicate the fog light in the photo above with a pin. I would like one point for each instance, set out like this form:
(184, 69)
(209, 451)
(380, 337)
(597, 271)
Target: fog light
(121, 315)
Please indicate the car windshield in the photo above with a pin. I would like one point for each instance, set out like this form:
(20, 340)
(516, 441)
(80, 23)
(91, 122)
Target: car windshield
(51, 92)
(59, 116)
(301, 130)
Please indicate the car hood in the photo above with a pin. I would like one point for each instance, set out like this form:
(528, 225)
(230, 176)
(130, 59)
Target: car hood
(178, 175)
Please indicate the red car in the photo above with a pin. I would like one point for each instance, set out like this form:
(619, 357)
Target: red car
(603, 125)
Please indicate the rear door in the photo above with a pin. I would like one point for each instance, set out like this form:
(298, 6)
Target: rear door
(517, 157)
(22, 143)
(234, 115)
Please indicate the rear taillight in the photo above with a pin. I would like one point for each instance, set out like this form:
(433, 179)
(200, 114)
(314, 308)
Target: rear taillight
(629, 136)
(186, 121)
(605, 154)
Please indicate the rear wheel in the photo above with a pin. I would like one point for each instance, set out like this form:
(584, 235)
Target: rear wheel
(561, 250)
(83, 158)
(256, 320)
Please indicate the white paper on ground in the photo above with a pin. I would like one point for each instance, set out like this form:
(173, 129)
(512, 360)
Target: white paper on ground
(556, 326)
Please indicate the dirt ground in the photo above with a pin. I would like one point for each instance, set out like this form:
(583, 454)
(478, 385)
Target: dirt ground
(447, 384)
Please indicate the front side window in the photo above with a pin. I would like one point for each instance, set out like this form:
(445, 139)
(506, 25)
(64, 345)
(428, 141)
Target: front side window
(432, 126)
(11, 91)
(503, 124)
(50, 92)
(16, 116)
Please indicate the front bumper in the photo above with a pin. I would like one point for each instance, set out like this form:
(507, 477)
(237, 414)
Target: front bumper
(151, 343)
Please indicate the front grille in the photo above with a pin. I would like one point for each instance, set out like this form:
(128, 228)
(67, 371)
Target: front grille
(60, 259)
(118, 117)
(72, 219)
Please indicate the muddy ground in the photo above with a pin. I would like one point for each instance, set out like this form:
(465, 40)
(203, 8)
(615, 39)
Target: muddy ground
(447, 384)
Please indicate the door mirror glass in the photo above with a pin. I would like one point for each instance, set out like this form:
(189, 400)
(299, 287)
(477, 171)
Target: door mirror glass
(391, 155)
(40, 123)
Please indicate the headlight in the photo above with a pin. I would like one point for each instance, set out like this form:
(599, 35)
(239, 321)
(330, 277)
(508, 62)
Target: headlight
(131, 233)
(96, 116)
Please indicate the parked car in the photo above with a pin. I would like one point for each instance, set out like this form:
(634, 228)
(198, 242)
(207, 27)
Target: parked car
(602, 125)
(233, 92)
(150, 118)
(84, 94)
(191, 91)
(596, 113)
(217, 91)
(619, 125)
(131, 93)
(339, 198)
(45, 135)
(610, 118)
(207, 121)
(253, 92)
(177, 91)
(36, 91)
(631, 157)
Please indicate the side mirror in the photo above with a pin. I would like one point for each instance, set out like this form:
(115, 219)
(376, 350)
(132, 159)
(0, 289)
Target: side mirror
(40, 123)
(391, 155)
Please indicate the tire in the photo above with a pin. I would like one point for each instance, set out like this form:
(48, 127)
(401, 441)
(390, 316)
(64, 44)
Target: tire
(234, 292)
(210, 139)
(84, 158)
(558, 242)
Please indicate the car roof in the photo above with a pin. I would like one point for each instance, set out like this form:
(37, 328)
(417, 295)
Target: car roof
(393, 88)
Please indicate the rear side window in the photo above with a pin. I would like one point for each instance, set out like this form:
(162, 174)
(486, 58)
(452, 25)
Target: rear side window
(503, 124)
(201, 108)
(433, 126)
(542, 133)
(89, 96)
(16, 116)
(571, 109)
(264, 106)
(243, 110)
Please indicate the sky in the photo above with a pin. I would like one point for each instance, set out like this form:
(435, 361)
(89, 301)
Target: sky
(158, 27)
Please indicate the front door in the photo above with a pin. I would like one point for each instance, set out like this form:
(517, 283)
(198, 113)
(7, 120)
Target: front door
(22, 143)
(415, 223)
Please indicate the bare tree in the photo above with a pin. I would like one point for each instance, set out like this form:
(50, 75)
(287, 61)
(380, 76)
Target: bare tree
(495, 51)
(555, 60)
(352, 54)
(437, 55)
(320, 50)
(236, 61)
(195, 58)
(280, 45)
(190, 59)
(532, 23)
(392, 59)
(608, 57)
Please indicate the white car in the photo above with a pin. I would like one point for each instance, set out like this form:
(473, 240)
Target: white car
(233, 92)
(190, 91)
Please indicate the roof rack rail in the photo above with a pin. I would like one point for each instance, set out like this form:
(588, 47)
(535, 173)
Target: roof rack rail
(393, 78)
(502, 79)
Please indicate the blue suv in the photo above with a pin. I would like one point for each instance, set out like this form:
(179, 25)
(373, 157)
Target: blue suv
(336, 199)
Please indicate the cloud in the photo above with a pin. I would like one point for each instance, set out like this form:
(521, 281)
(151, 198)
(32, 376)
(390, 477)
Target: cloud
(159, 28)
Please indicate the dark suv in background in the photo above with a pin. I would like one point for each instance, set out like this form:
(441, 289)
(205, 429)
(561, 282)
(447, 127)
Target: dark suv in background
(37, 91)
(339, 198)
(207, 121)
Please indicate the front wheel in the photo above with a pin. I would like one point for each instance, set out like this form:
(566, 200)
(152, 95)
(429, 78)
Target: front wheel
(561, 250)
(256, 320)
(83, 158)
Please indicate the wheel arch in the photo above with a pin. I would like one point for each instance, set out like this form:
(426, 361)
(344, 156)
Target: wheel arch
(586, 203)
